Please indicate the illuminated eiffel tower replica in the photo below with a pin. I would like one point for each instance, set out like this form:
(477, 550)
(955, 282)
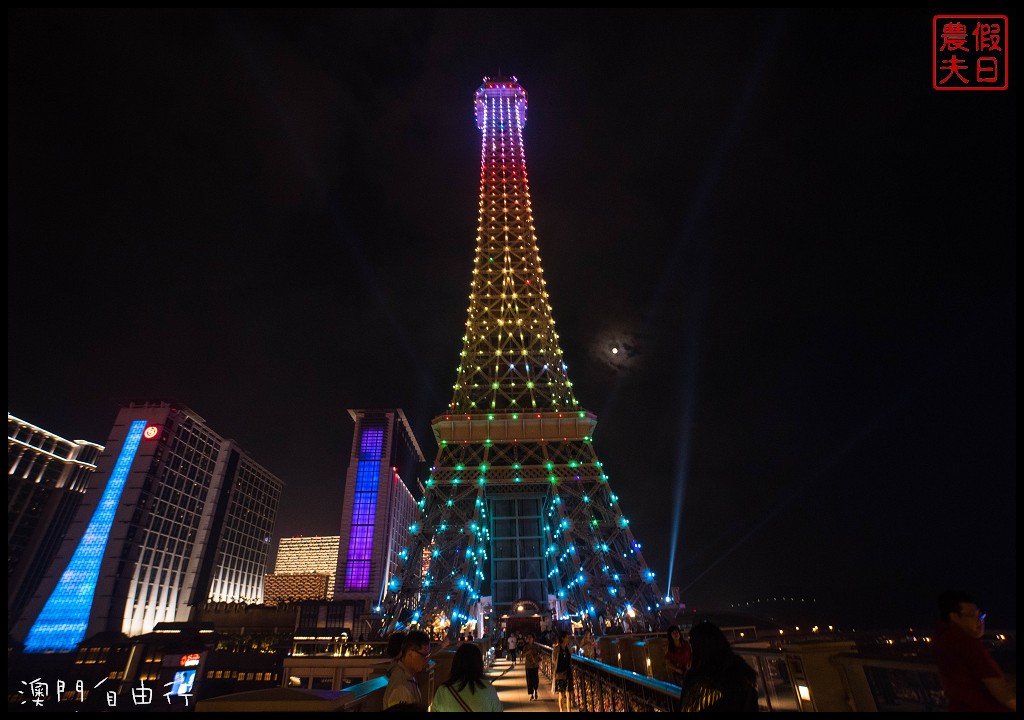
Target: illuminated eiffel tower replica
(517, 494)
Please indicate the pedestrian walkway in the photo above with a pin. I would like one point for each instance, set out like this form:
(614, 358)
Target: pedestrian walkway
(510, 682)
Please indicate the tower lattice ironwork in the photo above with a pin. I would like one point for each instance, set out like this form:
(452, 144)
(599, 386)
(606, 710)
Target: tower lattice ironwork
(517, 501)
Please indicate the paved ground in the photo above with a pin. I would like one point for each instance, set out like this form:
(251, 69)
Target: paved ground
(510, 682)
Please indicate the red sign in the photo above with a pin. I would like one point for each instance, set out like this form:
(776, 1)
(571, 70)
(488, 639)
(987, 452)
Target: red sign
(969, 52)
(190, 660)
(151, 432)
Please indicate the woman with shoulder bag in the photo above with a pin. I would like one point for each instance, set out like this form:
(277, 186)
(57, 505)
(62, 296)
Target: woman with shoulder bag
(466, 689)
(561, 672)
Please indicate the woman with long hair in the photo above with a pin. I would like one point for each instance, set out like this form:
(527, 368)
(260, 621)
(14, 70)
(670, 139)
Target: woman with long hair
(678, 656)
(561, 672)
(466, 690)
(719, 680)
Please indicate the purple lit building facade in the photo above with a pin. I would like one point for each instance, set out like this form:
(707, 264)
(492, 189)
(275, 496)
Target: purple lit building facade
(377, 509)
(175, 515)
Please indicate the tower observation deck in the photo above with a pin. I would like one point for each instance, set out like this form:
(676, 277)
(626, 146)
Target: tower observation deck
(517, 505)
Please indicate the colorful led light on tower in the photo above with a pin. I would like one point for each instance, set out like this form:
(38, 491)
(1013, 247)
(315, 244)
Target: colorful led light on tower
(511, 359)
(517, 498)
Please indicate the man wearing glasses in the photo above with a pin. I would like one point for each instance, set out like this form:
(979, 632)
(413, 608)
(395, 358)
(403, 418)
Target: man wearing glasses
(402, 689)
(971, 678)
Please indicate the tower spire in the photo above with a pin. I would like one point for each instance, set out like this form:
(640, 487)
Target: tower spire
(517, 506)
(510, 359)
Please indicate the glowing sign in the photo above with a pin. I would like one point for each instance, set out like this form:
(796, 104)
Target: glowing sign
(182, 684)
(151, 432)
(191, 660)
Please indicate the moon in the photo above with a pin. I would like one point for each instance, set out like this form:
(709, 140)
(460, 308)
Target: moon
(616, 348)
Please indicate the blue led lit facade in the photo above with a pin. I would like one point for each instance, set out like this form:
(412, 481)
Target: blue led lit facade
(177, 516)
(364, 510)
(62, 623)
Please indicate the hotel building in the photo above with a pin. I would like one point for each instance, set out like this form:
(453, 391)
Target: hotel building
(176, 515)
(46, 480)
(377, 509)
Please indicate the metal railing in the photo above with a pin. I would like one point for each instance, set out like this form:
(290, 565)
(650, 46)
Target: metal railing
(601, 688)
(798, 678)
(366, 696)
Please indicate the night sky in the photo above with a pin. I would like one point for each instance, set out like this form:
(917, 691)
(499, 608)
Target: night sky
(803, 252)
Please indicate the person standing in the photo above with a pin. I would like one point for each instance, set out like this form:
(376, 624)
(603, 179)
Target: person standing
(679, 655)
(531, 661)
(402, 689)
(466, 690)
(588, 646)
(513, 643)
(719, 680)
(971, 678)
(561, 672)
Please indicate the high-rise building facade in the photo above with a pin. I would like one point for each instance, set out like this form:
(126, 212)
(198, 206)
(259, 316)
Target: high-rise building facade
(175, 515)
(377, 507)
(46, 479)
(517, 502)
(304, 570)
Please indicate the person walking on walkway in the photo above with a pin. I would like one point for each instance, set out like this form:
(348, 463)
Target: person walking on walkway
(561, 672)
(513, 644)
(531, 661)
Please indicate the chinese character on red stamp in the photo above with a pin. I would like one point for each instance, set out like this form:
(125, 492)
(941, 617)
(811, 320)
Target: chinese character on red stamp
(969, 52)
